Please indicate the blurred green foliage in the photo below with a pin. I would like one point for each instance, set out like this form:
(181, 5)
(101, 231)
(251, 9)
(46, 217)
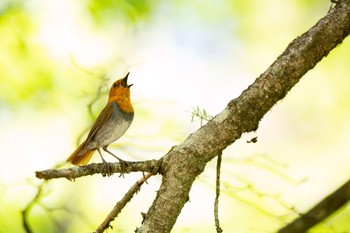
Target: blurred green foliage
(32, 80)
(26, 74)
(126, 10)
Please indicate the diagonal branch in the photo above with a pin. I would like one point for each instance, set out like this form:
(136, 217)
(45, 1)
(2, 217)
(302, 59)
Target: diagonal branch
(321, 211)
(72, 173)
(121, 204)
(186, 161)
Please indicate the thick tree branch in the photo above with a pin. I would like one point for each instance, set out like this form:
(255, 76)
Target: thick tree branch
(321, 211)
(72, 173)
(186, 161)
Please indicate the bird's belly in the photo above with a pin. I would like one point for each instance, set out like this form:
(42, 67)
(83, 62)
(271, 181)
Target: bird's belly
(111, 132)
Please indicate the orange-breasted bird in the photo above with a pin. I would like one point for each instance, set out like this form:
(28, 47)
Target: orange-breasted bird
(110, 125)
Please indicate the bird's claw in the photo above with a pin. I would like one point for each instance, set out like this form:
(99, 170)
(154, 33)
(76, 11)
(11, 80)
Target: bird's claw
(123, 167)
(109, 170)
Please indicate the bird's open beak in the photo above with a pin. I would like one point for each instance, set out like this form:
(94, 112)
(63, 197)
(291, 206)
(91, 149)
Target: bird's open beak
(125, 81)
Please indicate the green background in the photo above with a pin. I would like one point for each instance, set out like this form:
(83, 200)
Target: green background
(58, 59)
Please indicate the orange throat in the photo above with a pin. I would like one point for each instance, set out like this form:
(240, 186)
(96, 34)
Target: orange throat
(123, 102)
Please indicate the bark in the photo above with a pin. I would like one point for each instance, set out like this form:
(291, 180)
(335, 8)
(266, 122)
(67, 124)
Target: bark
(183, 163)
(72, 173)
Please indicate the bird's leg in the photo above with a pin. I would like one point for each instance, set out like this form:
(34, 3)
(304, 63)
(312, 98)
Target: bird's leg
(123, 163)
(119, 159)
(103, 160)
(109, 169)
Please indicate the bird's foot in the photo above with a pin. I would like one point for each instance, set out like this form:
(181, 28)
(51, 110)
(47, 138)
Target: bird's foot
(124, 167)
(108, 168)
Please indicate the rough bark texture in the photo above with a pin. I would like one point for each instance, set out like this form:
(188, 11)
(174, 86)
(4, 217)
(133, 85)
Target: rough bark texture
(72, 173)
(321, 211)
(185, 162)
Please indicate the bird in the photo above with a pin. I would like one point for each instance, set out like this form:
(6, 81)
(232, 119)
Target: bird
(110, 125)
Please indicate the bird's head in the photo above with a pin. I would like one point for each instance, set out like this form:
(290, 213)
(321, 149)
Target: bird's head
(120, 89)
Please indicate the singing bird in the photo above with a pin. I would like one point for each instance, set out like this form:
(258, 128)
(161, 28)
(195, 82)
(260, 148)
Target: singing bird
(110, 125)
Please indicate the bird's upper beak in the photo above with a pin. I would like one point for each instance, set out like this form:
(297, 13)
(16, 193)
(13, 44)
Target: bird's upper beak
(125, 81)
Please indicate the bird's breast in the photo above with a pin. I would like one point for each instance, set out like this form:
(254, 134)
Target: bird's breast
(114, 127)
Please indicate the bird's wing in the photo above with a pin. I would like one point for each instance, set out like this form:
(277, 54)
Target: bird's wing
(101, 119)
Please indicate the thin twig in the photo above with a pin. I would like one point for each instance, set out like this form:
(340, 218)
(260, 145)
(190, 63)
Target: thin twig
(36, 200)
(95, 99)
(99, 168)
(90, 105)
(216, 203)
(25, 212)
(121, 204)
(201, 114)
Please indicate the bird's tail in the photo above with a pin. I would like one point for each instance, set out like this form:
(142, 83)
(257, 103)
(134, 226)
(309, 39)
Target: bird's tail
(81, 155)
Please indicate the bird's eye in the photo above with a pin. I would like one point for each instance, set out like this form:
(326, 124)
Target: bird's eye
(115, 85)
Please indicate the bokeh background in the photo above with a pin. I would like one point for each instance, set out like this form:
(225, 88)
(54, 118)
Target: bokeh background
(59, 57)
